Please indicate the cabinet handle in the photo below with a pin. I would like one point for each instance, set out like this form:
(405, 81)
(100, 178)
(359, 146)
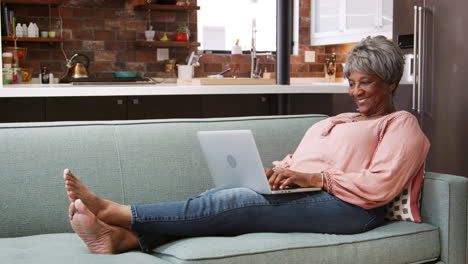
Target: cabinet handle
(415, 56)
(263, 99)
(135, 101)
(119, 101)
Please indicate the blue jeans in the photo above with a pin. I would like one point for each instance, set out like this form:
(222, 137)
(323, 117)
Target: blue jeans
(240, 210)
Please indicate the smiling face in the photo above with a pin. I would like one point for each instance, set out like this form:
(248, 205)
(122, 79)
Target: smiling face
(371, 94)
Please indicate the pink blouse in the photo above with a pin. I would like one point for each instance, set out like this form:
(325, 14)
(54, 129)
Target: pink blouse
(366, 163)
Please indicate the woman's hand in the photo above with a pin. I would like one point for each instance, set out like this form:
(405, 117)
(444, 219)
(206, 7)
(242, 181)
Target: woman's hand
(282, 178)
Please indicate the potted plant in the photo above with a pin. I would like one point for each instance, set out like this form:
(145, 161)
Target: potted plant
(182, 33)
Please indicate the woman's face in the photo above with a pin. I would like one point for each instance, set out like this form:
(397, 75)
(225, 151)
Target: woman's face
(372, 95)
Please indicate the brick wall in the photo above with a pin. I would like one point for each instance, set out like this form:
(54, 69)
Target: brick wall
(106, 31)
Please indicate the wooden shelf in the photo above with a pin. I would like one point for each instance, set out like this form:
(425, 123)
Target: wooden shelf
(167, 7)
(33, 2)
(5, 38)
(167, 44)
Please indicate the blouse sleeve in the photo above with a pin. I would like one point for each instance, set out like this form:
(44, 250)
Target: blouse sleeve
(398, 158)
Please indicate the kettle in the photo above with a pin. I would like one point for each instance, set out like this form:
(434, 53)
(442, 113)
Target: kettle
(77, 69)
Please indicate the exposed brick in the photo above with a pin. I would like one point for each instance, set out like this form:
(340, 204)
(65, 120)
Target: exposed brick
(126, 56)
(98, 66)
(83, 34)
(73, 45)
(39, 11)
(304, 11)
(105, 56)
(93, 45)
(316, 67)
(116, 45)
(136, 25)
(240, 58)
(83, 12)
(104, 13)
(136, 66)
(66, 11)
(66, 33)
(40, 55)
(305, 3)
(297, 59)
(51, 66)
(212, 67)
(145, 56)
(299, 68)
(304, 21)
(57, 55)
(155, 67)
(104, 35)
(216, 58)
(126, 14)
(93, 23)
(164, 16)
(245, 68)
(126, 35)
(71, 23)
(182, 17)
(114, 24)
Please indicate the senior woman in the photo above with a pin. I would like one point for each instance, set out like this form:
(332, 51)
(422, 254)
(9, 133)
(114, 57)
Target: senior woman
(362, 161)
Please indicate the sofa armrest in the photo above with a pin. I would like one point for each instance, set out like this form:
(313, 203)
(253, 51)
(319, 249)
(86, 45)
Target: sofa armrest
(444, 204)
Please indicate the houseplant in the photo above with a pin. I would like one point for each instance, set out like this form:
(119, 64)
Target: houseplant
(182, 33)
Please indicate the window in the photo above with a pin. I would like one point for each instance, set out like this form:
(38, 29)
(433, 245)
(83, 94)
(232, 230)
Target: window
(222, 22)
(343, 21)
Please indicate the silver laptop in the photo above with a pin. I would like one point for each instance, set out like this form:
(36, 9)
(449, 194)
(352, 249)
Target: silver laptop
(234, 161)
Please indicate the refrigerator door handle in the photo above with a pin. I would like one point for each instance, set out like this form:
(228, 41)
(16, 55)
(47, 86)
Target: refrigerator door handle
(420, 48)
(415, 56)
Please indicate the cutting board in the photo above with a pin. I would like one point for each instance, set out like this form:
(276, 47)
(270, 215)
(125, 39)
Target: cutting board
(226, 81)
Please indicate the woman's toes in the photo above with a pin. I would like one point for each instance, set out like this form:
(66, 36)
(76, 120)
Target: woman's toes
(71, 211)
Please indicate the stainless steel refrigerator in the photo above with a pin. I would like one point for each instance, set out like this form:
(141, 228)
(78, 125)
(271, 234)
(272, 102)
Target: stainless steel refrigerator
(435, 34)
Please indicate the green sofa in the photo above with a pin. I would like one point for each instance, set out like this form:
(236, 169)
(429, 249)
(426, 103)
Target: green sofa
(160, 160)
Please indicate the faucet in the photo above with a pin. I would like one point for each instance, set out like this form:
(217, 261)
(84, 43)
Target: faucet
(330, 68)
(253, 52)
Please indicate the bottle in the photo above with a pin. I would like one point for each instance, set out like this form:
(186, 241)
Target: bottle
(19, 31)
(31, 30)
(45, 75)
(236, 49)
(25, 30)
(36, 30)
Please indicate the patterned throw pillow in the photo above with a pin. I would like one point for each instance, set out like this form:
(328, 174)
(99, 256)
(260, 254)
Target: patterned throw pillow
(406, 205)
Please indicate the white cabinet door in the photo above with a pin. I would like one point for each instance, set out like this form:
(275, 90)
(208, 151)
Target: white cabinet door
(344, 21)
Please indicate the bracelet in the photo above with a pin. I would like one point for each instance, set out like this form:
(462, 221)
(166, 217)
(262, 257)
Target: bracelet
(323, 182)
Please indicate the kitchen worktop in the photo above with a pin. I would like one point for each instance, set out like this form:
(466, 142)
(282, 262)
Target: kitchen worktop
(69, 90)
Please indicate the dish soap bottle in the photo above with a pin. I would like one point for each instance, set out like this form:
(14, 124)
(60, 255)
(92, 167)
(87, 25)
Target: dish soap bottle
(45, 76)
(236, 49)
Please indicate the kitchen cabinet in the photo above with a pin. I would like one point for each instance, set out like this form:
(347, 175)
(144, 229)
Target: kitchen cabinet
(172, 106)
(237, 105)
(344, 21)
(22, 110)
(86, 108)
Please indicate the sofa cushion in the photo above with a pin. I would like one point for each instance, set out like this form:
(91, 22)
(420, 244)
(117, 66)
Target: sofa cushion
(62, 248)
(395, 242)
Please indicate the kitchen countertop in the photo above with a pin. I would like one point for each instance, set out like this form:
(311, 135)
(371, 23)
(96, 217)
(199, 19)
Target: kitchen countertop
(69, 90)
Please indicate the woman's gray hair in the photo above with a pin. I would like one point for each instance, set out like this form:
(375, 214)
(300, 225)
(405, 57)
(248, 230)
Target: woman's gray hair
(378, 56)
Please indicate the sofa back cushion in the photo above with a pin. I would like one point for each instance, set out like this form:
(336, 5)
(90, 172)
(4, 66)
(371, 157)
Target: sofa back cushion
(124, 161)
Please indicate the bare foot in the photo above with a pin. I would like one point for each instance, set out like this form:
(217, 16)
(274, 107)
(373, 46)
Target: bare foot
(99, 237)
(108, 211)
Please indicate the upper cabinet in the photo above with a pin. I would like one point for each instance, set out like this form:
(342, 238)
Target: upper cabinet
(344, 21)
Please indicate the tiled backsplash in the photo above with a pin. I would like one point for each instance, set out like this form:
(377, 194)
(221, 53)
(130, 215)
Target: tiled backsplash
(106, 31)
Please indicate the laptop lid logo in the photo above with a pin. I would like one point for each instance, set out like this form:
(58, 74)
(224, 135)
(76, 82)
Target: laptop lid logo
(231, 161)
